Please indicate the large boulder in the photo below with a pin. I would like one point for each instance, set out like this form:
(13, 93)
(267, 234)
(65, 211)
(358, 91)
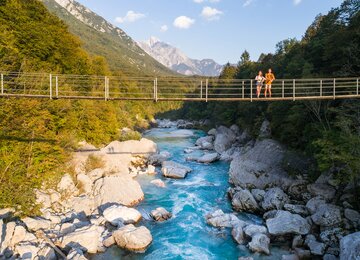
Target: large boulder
(313, 204)
(316, 248)
(205, 143)
(208, 158)
(21, 235)
(81, 205)
(324, 190)
(327, 215)
(243, 200)
(158, 158)
(265, 130)
(118, 215)
(35, 224)
(84, 183)
(238, 234)
(274, 198)
(297, 209)
(224, 139)
(86, 237)
(118, 189)
(286, 223)
(252, 229)
(256, 169)
(350, 247)
(133, 238)
(174, 170)
(260, 244)
(27, 251)
(221, 219)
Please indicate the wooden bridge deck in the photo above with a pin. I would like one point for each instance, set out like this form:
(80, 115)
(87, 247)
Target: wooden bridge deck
(56, 86)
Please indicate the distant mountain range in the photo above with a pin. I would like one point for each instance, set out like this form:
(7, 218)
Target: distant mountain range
(176, 60)
(102, 38)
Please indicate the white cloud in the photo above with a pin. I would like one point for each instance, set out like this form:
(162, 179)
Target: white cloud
(164, 28)
(183, 22)
(297, 2)
(210, 13)
(130, 17)
(198, 1)
(247, 3)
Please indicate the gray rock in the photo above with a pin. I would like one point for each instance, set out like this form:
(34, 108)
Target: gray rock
(289, 257)
(76, 254)
(47, 253)
(329, 257)
(27, 250)
(160, 214)
(174, 170)
(158, 158)
(270, 214)
(209, 158)
(274, 198)
(36, 224)
(84, 183)
(316, 248)
(256, 169)
(313, 204)
(66, 185)
(6, 234)
(260, 244)
(298, 241)
(224, 139)
(106, 191)
(258, 194)
(212, 132)
(118, 215)
(297, 209)
(251, 230)
(324, 190)
(220, 219)
(327, 215)
(243, 200)
(133, 238)
(350, 247)
(332, 237)
(302, 253)
(205, 143)
(6, 213)
(265, 130)
(352, 215)
(231, 153)
(235, 129)
(286, 223)
(238, 235)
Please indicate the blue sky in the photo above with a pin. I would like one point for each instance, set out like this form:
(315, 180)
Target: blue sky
(217, 29)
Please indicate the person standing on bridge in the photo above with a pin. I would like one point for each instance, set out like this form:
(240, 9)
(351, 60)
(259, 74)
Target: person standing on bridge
(259, 83)
(269, 80)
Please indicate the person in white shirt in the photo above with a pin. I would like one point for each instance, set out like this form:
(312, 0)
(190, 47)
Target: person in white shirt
(259, 83)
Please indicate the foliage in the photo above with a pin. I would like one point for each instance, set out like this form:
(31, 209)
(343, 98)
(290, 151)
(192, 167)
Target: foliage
(93, 162)
(326, 130)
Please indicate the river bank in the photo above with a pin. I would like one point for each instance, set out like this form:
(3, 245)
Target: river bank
(109, 202)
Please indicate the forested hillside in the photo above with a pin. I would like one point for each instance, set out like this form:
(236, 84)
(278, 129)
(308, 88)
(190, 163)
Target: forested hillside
(36, 136)
(327, 130)
(100, 37)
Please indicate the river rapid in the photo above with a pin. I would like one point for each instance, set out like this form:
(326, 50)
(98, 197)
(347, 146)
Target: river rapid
(186, 235)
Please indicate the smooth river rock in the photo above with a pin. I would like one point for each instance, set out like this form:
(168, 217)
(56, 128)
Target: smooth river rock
(160, 214)
(174, 170)
(286, 223)
(118, 189)
(260, 244)
(350, 247)
(133, 238)
(118, 215)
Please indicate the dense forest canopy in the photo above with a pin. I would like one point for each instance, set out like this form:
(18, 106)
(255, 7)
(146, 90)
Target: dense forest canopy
(325, 130)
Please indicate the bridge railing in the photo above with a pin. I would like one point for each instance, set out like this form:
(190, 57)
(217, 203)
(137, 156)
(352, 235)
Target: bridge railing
(60, 86)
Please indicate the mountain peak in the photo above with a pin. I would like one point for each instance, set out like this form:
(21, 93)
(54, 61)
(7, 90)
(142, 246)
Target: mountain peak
(175, 59)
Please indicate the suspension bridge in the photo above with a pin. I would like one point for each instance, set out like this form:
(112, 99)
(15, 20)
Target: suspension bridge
(63, 86)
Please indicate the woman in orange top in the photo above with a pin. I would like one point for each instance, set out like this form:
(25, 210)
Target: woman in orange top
(269, 78)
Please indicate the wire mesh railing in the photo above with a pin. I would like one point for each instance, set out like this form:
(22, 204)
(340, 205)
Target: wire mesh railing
(62, 86)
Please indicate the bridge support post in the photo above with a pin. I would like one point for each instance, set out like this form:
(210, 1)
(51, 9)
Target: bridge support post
(201, 89)
(156, 80)
(321, 88)
(294, 90)
(334, 91)
(2, 84)
(357, 87)
(57, 87)
(243, 90)
(251, 90)
(106, 90)
(283, 89)
(206, 90)
(50, 91)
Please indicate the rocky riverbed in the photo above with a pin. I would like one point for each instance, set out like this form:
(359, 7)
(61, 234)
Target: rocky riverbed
(100, 205)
